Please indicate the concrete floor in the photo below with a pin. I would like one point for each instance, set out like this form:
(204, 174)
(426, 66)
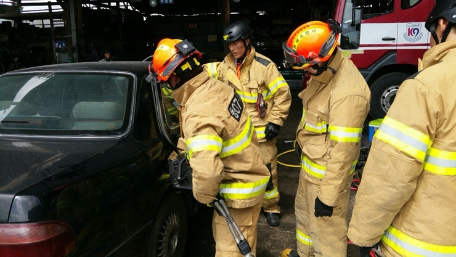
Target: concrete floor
(271, 240)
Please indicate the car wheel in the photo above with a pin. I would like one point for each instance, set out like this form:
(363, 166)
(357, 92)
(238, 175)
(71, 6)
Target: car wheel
(383, 93)
(169, 229)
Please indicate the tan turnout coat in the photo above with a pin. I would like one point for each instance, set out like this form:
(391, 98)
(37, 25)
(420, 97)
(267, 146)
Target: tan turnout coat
(334, 109)
(219, 139)
(407, 197)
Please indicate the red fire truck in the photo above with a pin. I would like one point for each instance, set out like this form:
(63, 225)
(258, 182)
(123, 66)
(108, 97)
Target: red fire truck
(384, 39)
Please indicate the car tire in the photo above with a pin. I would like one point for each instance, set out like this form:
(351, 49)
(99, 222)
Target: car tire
(169, 229)
(383, 92)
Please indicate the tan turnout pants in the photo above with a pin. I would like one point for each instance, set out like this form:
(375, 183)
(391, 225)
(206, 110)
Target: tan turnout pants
(322, 236)
(246, 219)
(271, 197)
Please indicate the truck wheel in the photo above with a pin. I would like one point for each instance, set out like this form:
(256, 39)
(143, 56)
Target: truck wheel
(169, 229)
(383, 92)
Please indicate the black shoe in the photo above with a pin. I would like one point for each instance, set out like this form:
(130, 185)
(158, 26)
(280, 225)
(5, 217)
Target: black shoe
(272, 219)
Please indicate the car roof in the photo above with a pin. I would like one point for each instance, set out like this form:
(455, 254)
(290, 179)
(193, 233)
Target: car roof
(137, 67)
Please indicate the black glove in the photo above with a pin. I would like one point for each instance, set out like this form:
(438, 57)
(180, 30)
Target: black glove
(365, 251)
(271, 131)
(322, 209)
(298, 149)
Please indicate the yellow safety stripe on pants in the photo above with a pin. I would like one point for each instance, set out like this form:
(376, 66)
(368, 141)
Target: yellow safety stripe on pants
(271, 193)
(238, 143)
(440, 162)
(317, 170)
(404, 138)
(212, 70)
(204, 143)
(345, 134)
(409, 246)
(238, 190)
(260, 132)
(276, 84)
(303, 238)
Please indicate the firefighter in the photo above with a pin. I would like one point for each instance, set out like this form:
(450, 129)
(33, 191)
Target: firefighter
(406, 200)
(218, 137)
(266, 96)
(335, 104)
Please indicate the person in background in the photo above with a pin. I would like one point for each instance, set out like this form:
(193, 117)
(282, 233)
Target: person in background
(106, 56)
(266, 96)
(218, 137)
(406, 200)
(335, 105)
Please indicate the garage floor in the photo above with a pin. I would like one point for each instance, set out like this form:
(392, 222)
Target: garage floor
(271, 240)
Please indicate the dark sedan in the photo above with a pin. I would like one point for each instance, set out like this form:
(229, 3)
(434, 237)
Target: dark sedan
(83, 153)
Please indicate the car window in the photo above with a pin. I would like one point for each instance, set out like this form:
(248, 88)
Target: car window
(375, 8)
(405, 4)
(169, 107)
(351, 24)
(65, 103)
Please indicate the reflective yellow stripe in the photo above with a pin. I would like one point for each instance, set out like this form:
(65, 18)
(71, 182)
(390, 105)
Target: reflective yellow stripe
(203, 143)
(238, 190)
(276, 84)
(353, 167)
(440, 162)
(404, 138)
(215, 143)
(212, 70)
(320, 127)
(345, 134)
(260, 132)
(409, 246)
(173, 111)
(312, 168)
(252, 97)
(303, 238)
(317, 170)
(271, 193)
(166, 91)
(303, 117)
(238, 143)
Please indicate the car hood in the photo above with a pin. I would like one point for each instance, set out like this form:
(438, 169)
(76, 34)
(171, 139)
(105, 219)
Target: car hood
(25, 162)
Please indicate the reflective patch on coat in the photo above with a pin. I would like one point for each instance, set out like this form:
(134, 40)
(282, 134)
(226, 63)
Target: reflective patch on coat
(236, 107)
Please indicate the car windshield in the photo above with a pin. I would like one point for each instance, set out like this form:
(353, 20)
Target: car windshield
(59, 103)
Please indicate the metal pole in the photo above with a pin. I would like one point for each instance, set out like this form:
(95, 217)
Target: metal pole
(51, 19)
(73, 31)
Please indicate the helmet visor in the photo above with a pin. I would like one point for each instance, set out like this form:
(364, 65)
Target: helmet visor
(295, 61)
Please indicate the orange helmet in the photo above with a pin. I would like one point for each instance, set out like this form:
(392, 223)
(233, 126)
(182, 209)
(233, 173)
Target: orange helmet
(311, 43)
(170, 53)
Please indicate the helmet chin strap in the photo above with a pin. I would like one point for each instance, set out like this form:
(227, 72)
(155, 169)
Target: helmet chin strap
(247, 47)
(445, 33)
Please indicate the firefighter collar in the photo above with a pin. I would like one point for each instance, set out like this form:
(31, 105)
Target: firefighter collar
(332, 67)
(183, 93)
(229, 59)
(438, 52)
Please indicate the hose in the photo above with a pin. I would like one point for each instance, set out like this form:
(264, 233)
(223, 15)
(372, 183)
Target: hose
(288, 151)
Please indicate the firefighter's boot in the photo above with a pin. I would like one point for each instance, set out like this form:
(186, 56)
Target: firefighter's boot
(272, 218)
